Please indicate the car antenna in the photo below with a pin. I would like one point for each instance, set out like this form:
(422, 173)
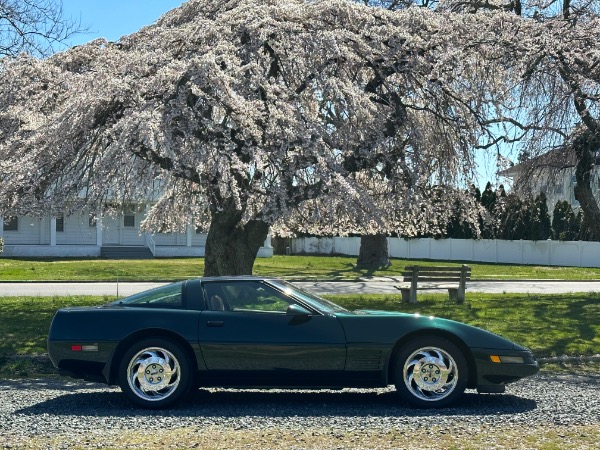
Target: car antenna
(118, 268)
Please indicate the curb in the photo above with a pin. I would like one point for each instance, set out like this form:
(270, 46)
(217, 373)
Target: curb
(569, 359)
(308, 279)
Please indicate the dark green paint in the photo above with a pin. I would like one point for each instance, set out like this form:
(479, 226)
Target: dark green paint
(258, 348)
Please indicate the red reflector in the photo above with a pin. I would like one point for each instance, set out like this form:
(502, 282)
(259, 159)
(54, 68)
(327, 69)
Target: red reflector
(76, 348)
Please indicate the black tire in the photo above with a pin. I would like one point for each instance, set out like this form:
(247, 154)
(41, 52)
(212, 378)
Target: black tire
(430, 372)
(155, 373)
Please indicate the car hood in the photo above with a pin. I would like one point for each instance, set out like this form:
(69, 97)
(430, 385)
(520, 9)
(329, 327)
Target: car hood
(390, 326)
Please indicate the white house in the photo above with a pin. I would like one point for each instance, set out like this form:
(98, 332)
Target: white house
(87, 235)
(552, 173)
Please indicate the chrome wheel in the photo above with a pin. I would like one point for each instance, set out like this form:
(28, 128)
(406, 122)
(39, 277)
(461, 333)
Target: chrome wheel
(153, 374)
(430, 374)
(156, 372)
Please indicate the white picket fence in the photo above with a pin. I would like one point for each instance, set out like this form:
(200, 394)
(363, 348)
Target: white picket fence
(546, 253)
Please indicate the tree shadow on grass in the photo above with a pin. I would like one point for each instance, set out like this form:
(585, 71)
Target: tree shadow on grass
(581, 319)
(347, 271)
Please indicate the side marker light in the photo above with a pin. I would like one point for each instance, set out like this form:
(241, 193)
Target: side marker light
(507, 359)
(84, 348)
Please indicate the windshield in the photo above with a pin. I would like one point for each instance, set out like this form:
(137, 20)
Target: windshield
(163, 296)
(308, 297)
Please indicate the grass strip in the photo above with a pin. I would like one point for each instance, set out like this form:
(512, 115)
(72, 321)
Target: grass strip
(293, 267)
(515, 437)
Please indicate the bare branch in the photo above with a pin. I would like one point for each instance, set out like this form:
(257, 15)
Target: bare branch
(36, 27)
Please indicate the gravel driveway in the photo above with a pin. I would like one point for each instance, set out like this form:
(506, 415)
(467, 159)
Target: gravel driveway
(75, 411)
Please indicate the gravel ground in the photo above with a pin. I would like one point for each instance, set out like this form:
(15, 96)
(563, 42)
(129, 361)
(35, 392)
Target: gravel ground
(71, 413)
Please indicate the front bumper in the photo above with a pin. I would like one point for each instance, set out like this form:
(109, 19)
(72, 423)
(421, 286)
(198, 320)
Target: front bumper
(492, 374)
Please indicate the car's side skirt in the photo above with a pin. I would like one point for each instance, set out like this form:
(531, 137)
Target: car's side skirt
(281, 379)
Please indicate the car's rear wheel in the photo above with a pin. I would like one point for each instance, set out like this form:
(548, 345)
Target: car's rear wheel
(430, 372)
(155, 373)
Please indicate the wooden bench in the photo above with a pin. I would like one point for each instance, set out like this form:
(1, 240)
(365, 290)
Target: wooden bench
(453, 278)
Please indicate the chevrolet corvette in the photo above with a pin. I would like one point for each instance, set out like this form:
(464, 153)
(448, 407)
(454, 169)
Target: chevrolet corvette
(261, 332)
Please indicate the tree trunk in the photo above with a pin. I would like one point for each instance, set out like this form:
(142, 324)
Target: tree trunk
(231, 247)
(585, 146)
(373, 253)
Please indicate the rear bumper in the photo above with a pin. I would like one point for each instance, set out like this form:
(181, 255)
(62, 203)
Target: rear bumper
(72, 361)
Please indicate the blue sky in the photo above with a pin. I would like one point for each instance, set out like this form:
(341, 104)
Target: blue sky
(112, 19)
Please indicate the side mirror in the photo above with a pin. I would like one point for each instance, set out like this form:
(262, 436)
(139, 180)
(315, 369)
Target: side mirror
(297, 310)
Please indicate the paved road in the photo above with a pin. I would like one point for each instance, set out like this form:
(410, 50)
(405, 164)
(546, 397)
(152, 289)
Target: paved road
(380, 285)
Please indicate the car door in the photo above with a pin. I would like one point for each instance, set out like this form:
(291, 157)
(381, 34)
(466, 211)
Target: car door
(250, 332)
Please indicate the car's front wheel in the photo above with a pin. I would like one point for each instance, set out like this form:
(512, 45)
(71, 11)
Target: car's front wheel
(430, 372)
(155, 373)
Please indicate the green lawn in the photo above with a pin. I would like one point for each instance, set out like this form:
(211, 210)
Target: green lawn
(292, 267)
(549, 324)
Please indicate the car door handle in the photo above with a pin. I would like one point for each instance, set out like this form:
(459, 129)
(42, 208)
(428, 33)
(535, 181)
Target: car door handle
(214, 323)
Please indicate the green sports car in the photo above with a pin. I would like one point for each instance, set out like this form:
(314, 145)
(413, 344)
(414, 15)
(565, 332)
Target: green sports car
(262, 332)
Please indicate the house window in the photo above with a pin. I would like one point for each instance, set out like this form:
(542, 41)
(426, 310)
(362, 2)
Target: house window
(11, 223)
(60, 224)
(129, 220)
(92, 220)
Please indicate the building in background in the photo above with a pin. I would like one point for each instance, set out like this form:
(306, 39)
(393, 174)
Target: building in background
(552, 173)
(89, 235)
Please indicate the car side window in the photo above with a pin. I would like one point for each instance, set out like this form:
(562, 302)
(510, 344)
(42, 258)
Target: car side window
(168, 296)
(245, 296)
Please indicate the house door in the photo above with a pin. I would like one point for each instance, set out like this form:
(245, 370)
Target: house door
(111, 230)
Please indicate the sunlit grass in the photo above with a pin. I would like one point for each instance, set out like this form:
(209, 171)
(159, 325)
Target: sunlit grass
(100, 269)
(292, 267)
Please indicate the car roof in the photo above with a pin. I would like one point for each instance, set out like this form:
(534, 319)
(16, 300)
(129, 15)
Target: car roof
(236, 278)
